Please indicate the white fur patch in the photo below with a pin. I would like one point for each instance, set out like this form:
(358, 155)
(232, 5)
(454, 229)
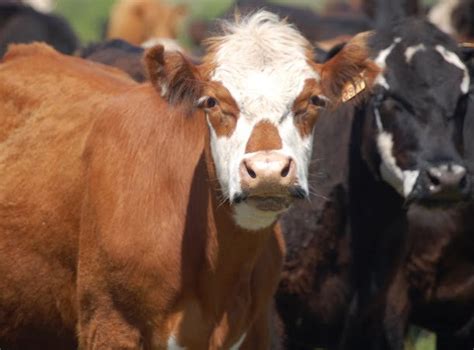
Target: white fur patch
(45, 6)
(173, 344)
(412, 50)
(237, 345)
(458, 169)
(251, 218)
(402, 180)
(169, 44)
(440, 15)
(454, 59)
(381, 61)
(263, 63)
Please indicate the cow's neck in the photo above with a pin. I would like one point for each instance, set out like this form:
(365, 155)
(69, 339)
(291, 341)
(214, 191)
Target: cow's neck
(239, 248)
(230, 252)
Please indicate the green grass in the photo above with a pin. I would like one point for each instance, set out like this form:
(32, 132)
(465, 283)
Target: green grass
(420, 339)
(87, 17)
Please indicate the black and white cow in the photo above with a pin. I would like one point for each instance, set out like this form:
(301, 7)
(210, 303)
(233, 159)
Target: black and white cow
(371, 239)
(407, 156)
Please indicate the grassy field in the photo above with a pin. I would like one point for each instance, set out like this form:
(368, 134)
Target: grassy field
(88, 18)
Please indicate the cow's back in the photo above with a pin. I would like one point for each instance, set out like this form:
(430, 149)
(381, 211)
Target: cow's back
(48, 103)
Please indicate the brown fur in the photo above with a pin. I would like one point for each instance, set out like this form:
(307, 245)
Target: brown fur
(41, 186)
(150, 253)
(352, 62)
(307, 115)
(110, 225)
(173, 75)
(264, 137)
(136, 21)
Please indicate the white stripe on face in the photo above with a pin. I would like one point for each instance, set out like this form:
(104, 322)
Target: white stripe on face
(381, 61)
(237, 345)
(173, 344)
(412, 50)
(402, 180)
(454, 59)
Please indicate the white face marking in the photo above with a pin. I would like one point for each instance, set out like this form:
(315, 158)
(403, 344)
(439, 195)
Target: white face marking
(263, 63)
(454, 59)
(381, 59)
(402, 180)
(173, 344)
(412, 50)
(237, 345)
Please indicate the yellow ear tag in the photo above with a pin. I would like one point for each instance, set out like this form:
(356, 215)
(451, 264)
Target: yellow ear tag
(352, 89)
(467, 45)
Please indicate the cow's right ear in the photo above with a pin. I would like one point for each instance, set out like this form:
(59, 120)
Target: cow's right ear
(350, 71)
(173, 75)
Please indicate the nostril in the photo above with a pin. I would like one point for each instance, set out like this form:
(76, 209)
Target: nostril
(463, 183)
(434, 179)
(251, 173)
(286, 170)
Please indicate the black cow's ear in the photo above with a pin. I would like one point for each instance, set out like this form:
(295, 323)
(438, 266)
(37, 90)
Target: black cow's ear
(321, 55)
(173, 75)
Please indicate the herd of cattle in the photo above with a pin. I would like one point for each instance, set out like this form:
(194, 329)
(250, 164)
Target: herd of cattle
(268, 194)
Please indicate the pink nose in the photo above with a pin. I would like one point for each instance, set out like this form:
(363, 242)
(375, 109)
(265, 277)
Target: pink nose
(267, 173)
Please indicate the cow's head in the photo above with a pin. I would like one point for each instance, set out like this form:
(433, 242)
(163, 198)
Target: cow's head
(416, 112)
(262, 94)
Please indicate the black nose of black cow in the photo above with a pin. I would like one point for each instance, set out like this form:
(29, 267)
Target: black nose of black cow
(447, 182)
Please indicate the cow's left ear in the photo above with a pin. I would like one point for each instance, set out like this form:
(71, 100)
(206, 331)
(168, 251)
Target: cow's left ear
(173, 75)
(349, 72)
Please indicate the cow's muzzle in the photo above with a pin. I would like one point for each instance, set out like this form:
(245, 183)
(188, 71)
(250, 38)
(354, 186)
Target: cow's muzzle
(269, 182)
(442, 184)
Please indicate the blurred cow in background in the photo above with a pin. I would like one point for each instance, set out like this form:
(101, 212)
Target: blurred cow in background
(337, 22)
(137, 21)
(23, 24)
(120, 54)
(455, 17)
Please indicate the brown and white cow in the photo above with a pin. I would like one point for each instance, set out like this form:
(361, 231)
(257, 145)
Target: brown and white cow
(143, 216)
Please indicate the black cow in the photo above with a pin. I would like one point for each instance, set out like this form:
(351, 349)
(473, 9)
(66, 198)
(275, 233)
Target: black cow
(372, 239)
(314, 27)
(117, 53)
(22, 24)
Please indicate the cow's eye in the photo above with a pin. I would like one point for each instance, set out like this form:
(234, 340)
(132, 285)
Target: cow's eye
(207, 102)
(211, 102)
(318, 101)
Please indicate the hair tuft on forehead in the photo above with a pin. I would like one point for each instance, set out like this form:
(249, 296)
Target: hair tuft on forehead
(261, 34)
